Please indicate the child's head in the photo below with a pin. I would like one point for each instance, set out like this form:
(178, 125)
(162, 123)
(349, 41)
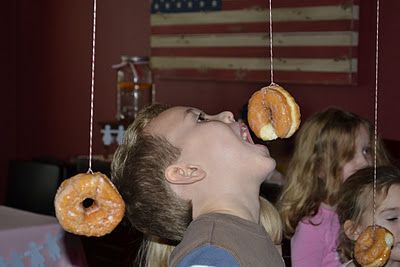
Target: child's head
(355, 207)
(143, 158)
(172, 157)
(325, 147)
(330, 146)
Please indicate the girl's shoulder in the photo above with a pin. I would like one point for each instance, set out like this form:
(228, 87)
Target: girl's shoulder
(327, 211)
(326, 217)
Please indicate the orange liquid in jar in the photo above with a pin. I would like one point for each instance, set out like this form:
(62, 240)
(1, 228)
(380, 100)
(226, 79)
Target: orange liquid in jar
(131, 86)
(133, 97)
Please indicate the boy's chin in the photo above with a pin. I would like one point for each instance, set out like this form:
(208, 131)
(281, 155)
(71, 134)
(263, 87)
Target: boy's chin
(270, 165)
(395, 254)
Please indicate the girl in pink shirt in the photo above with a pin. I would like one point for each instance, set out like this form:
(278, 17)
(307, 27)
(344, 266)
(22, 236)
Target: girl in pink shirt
(329, 147)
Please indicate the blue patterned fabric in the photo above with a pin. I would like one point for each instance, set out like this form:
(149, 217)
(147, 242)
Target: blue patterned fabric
(209, 256)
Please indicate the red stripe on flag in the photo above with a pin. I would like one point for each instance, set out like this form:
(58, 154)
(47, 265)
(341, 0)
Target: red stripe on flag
(258, 76)
(279, 52)
(242, 4)
(295, 26)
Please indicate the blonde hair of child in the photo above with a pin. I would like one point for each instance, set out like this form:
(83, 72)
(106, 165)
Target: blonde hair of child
(271, 221)
(154, 252)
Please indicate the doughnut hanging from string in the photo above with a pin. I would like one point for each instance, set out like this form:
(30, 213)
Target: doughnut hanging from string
(272, 112)
(373, 246)
(105, 208)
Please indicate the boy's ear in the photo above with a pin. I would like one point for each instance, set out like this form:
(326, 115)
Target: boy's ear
(352, 231)
(184, 173)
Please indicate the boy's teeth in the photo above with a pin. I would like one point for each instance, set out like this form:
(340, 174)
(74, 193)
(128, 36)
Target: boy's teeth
(244, 133)
(244, 137)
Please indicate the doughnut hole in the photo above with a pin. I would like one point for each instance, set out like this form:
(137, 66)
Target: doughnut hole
(88, 202)
(89, 205)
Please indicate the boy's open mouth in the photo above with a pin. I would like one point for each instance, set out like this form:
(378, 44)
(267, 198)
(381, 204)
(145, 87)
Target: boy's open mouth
(245, 133)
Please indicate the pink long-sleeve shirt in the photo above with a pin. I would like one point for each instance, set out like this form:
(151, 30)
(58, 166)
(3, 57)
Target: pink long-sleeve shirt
(315, 240)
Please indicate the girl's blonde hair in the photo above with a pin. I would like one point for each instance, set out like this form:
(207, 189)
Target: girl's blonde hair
(355, 197)
(271, 221)
(155, 252)
(323, 145)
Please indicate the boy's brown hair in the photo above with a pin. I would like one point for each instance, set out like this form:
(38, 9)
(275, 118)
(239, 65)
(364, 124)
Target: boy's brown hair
(138, 173)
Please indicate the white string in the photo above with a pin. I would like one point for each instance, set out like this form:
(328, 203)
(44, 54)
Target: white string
(376, 105)
(270, 43)
(270, 53)
(92, 89)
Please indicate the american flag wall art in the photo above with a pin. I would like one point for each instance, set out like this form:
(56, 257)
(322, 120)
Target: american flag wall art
(314, 41)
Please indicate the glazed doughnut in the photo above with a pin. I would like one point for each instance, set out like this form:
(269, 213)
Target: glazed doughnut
(101, 217)
(373, 246)
(273, 113)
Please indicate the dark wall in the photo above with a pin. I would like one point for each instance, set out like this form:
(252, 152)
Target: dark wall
(8, 100)
(45, 70)
(389, 90)
(55, 70)
(46, 56)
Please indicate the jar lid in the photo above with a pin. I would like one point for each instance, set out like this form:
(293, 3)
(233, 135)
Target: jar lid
(140, 59)
(125, 58)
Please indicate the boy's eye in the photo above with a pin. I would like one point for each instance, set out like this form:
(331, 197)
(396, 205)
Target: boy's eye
(201, 117)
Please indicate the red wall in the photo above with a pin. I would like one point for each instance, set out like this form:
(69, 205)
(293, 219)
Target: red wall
(45, 101)
(55, 70)
(389, 108)
(8, 100)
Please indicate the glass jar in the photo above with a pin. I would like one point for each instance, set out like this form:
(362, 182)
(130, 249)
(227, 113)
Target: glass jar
(135, 88)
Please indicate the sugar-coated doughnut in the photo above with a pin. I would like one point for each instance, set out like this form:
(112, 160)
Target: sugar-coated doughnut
(101, 217)
(273, 113)
(373, 246)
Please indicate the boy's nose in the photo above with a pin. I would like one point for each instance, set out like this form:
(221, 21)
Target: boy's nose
(226, 117)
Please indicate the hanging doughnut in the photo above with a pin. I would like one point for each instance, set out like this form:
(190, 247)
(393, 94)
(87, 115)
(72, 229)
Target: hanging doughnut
(273, 113)
(373, 246)
(105, 210)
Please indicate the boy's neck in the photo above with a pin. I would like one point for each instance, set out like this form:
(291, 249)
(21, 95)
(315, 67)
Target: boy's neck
(247, 208)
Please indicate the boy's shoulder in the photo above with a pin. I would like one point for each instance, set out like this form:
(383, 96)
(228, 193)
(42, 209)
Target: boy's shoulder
(228, 238)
